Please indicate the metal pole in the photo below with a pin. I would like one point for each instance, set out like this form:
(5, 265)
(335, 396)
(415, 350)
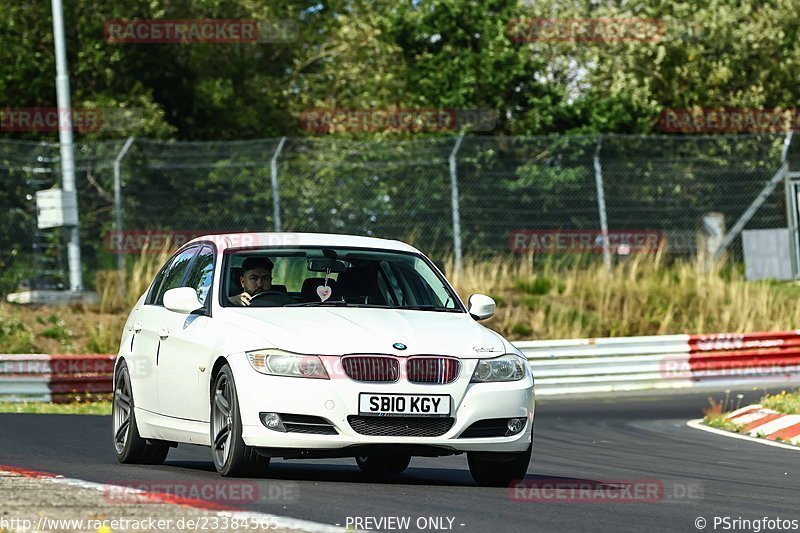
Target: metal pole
(791, 207)
(780, 174)
(601, 204)
(65, 138)
(456, 211)
(791, 214)
(276, 197)
(118, 213)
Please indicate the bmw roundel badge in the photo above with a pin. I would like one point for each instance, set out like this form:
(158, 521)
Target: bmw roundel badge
(399, 346)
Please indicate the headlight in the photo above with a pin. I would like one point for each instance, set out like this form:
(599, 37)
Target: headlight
(280, 363)
(506, 368)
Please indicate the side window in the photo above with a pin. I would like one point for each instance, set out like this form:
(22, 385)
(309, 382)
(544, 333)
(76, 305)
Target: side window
(151, 297)
(433, 286)
(175, 273)
(202, 274)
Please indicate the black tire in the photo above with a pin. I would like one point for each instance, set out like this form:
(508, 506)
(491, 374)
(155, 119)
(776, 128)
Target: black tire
(383, 464)
(498, 470)
(129, 446)
(232, 457)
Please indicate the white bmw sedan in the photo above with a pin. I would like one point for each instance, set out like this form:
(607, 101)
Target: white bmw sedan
(313, 346)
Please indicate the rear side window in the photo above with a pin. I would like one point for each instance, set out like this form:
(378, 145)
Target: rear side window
(202, 274)
(175, 273)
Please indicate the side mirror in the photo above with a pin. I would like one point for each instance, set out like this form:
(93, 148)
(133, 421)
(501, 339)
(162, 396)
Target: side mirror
(181, 300)
(480, 306)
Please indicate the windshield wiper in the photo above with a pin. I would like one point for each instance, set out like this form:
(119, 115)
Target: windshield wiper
(315, 304)
(342, 303)
(429, 307)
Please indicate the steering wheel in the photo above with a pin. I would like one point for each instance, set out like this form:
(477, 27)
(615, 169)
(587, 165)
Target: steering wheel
(285, 298)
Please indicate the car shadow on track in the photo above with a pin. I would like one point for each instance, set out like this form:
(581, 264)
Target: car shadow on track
(342, 473)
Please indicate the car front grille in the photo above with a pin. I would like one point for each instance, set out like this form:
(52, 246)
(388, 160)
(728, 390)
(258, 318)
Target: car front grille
(385, 426)
(311, 425)
(371, 368)
(432, 369)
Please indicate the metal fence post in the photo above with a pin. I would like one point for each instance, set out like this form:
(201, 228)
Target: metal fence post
(118, 219)
(791, 207)
(780, 175)
(276, 198)
(456, 211)
(601, 203)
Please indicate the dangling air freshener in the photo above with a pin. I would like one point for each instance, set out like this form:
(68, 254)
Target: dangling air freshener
(323, 291)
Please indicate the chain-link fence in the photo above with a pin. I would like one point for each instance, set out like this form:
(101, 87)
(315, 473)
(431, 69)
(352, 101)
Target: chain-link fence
(471, 195)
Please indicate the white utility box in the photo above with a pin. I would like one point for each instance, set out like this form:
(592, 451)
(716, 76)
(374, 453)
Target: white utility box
(56, 208)
(767, 254)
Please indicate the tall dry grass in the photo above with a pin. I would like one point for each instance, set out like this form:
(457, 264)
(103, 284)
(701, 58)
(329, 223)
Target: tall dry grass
(137, 275)
(644, 295)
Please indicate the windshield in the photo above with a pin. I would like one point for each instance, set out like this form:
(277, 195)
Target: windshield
(347, 277)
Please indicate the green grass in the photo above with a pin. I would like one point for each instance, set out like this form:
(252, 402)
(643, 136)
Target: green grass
(715, 418)
(16, 336)
(721, 422)
(83, 408)
(102, 339)
(785, 402)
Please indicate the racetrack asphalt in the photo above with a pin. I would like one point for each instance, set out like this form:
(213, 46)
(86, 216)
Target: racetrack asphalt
(590, 442)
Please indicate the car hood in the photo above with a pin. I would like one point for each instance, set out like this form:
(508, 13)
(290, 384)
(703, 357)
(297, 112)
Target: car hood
(338, 331)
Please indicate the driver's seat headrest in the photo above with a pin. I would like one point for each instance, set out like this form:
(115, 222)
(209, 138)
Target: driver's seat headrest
(234, 283)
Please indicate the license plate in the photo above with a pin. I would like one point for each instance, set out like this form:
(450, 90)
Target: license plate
(403, 404)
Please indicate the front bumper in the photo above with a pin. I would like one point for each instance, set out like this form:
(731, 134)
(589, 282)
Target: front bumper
(337, 398)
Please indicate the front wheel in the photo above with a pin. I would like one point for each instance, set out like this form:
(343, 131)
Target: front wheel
(498, 470)
(128, 445)
(383, 464)
(232, 457)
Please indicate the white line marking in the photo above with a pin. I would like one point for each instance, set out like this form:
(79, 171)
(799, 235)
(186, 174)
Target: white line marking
(743, 410)
(776, 425)
(698, 424)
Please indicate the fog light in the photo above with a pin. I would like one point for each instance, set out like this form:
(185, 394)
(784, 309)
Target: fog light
(272, 421)
(514, 426)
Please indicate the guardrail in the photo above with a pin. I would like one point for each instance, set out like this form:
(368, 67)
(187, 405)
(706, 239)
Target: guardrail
(663, 363)
(589, 367)
(54, 378)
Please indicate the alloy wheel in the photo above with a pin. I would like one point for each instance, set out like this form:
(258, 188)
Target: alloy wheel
(222, 420)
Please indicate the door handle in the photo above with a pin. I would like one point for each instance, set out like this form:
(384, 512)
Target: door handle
(137, 327)
(163, 333)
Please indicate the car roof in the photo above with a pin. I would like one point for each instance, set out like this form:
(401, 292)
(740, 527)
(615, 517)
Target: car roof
(249, 240)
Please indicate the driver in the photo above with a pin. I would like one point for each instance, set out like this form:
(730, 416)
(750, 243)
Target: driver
(256, 277)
